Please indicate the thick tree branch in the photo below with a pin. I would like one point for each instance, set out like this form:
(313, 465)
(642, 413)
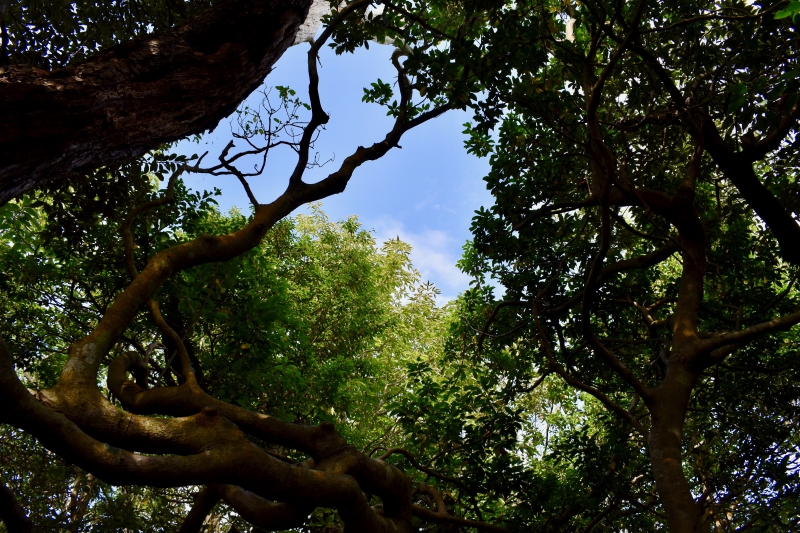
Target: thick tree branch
(256, 510)
(772, 140)
(143, 93)
(693, 253)
(204, 502)
(217, 453)
(261, 512)
(635, 263)
(209, 448)
(737, 166)
(747, 334)
(318, 115)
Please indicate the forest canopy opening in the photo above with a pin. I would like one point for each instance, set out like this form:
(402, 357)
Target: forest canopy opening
(625, 361)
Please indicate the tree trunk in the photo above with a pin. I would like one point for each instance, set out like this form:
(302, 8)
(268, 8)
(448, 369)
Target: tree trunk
(136, 96)
(668, 409)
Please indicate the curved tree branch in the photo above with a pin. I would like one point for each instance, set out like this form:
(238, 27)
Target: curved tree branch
(261, 512)
(205, 442)
(744, 335)
(643, 261)
(416, 464)
(204, 502)
(214, 452)
(578, 384)
(737, 166)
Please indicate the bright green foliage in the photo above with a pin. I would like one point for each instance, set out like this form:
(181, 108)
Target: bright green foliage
(789, 11)
(317, 323)
(313, 325)
(528, 457)
(62, 257)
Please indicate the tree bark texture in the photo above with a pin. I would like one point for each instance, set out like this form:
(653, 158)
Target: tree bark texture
(136, 96)
(668, 407)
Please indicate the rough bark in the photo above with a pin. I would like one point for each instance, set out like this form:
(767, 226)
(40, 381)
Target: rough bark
(134, 97)
(684, 514)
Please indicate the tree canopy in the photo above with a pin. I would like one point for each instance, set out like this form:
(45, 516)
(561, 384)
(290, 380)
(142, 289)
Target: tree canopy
(315, 324)
(645, 236)
(626, 359)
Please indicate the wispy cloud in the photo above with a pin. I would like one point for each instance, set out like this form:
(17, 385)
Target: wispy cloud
(434, 253)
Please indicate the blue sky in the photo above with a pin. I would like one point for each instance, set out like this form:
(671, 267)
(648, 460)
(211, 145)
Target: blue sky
(425, 193)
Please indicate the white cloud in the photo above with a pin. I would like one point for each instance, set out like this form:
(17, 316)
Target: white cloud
(434, 253)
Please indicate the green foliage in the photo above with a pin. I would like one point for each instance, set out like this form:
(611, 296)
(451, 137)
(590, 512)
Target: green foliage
(55, 33)
(527, 456)
(62, 497)
(316, 323)
(789, 11)
(741, 443)
(380, 93)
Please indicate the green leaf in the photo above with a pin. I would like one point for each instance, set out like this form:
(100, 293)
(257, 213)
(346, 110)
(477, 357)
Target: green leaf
(789, 11)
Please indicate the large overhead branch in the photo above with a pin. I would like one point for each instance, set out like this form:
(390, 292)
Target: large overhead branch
(262, 512)
(738, 168)
(256, 510)
(136, 96)
(721, 340)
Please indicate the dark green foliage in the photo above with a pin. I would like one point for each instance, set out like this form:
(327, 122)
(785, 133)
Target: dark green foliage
(741, 445)
(55, 33)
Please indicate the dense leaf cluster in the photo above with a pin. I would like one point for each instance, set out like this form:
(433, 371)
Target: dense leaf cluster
(633, 149)
(535, 247)
(53, 34)
(315, 324)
